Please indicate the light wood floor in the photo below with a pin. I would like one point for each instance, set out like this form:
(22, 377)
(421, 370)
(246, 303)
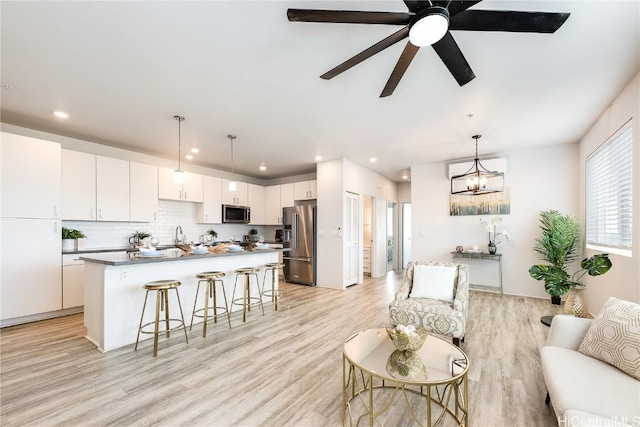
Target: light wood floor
(283, 369)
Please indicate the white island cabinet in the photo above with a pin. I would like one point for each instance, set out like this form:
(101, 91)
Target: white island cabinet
(114, 293)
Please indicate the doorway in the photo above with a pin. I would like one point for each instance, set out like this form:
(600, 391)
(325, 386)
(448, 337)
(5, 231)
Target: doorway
(406, 234)
(391, 236)
(367, 235)
(351, 239)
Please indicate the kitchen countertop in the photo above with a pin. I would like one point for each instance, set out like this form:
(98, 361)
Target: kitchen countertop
(132, 249)
(169, 256)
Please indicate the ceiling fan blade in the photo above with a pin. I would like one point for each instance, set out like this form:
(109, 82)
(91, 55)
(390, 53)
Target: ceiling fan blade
(407, 56)
(415, 6)
(449, 52)
(512, 21)
(348, 16)
(367, 53)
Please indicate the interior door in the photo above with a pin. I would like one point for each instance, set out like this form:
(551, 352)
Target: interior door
(351, 239)
(406, 234)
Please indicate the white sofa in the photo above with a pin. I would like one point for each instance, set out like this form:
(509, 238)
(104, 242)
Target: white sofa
(585, 391)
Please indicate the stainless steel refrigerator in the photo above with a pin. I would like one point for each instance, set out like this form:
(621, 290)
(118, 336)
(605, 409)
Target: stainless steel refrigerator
(299, 235)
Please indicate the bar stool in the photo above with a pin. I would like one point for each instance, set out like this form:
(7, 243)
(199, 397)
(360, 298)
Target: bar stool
(275, 293)
(211, 278)
(246, 299)
(162, 288)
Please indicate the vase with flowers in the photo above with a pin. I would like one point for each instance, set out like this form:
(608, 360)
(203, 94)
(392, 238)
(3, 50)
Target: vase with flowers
(492, 228)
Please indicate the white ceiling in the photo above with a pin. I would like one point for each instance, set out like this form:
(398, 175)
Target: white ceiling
(122, 70)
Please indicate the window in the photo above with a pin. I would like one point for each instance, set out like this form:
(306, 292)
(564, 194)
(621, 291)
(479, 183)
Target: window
(609, 194)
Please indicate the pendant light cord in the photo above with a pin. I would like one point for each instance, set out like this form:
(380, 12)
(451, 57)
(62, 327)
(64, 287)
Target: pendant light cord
(179, 119)
(231, 138)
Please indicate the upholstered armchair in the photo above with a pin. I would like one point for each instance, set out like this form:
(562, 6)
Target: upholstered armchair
(439, 311)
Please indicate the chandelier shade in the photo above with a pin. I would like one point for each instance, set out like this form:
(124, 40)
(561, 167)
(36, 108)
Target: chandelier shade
(478, 179)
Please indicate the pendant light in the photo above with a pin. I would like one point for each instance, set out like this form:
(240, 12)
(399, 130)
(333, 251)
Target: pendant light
(178, 174)
(477, 180)
(232, 183)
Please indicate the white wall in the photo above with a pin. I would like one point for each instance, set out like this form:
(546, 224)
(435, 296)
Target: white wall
(623, 280)
(334, 179)
(540, 179)
(404, 192)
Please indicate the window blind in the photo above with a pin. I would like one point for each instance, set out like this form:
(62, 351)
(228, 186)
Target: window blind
(609, 194)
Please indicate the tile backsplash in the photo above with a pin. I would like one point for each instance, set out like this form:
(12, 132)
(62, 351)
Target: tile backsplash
(171, 214)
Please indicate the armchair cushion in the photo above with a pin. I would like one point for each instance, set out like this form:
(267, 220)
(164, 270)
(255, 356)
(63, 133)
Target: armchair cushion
(433, 282)
(440, 317)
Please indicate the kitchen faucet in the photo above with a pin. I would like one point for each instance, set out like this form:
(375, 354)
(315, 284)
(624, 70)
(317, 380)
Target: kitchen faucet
(179, 240)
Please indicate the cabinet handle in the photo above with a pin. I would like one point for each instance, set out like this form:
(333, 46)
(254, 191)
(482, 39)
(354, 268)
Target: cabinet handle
(91, 213)
(55, 227)
(205, 217)
(55, 211)
(155, 216)
(185, 194)
(100, 213)
(180, 195)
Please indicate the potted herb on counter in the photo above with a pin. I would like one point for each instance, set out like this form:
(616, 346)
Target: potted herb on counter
(70, 238)
(253, 234)
(138, 237)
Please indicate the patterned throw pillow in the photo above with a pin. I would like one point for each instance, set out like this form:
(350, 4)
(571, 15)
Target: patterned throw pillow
(614, 336)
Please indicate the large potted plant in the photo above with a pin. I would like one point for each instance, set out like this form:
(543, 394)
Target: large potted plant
(70, 238)
(557, 246)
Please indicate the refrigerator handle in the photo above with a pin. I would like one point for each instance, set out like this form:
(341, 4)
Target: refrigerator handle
(294, 230)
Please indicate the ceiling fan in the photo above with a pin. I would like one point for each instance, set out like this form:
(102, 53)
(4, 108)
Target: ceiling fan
(430, 23)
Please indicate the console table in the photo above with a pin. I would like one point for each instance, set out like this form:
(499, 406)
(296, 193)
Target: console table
(482, 256)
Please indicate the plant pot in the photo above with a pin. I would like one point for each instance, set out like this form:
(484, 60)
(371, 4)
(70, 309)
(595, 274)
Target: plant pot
(492, 248)
(575, 303)
(556, 300)
(68, 244)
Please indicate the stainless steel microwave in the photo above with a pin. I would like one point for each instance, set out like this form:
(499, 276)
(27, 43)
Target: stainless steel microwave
(236, 214)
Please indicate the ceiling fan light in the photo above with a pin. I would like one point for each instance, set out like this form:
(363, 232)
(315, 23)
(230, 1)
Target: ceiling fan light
(430, 28)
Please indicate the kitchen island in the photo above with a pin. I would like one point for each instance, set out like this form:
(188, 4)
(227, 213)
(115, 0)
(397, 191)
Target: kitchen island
(114, 293)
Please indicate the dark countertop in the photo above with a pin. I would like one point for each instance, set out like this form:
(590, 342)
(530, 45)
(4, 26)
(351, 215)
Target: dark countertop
(132, 249)
(132, 259)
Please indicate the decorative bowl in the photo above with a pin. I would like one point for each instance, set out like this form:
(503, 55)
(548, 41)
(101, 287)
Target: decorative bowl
(410, 342)
(406, 365)
(199, 251)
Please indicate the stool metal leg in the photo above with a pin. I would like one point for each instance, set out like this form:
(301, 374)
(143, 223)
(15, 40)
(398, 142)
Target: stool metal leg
(259, 293)
(157, 322)
(193, 313)
(246, 298)
(141, 317)
(226, 306)
(184, 326)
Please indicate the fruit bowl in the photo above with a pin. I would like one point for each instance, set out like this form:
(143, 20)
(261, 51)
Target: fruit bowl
(407, 341)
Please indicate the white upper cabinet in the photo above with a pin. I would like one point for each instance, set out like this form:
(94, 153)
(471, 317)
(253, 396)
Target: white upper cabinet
(78, 186)
(210, 210)
(238, 197)
(189, 191)
(273, 211)
(193, 187)
(143, 192)
(286, 196)
(30, 177)
(305, 190)
(256, 195)
(112, 183)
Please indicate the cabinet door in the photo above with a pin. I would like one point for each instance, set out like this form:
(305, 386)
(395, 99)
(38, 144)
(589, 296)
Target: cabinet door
(305, 190)
(210, 210)
(72, 281)
(286, 196)
(78, 185)
(168, 188)
(143, 192)
(112, 183)
(30, 177)
(31, 273)
(238, 197)
(273, 209)
(192, 188)
(255, 196)
(313, 189)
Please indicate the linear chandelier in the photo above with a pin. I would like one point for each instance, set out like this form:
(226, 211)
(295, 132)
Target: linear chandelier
(478, 179)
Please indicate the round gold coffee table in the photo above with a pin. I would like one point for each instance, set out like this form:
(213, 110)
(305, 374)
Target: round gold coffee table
(380, 383)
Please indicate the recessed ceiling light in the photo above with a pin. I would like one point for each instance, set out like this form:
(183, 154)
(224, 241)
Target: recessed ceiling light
(318, 158)
(188, 157)
(263, 167)
(373, 160)
(61, 114)
(195, 150)
(405, 175)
